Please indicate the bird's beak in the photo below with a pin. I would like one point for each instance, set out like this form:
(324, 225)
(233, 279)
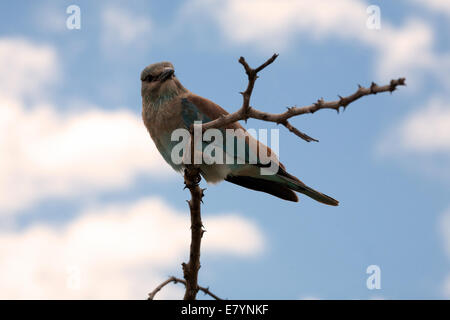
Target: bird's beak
(166, 74)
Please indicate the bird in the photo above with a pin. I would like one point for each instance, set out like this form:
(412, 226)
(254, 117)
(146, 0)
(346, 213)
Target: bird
(167, 105)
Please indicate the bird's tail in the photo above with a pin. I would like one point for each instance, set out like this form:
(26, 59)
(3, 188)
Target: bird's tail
(295, 184)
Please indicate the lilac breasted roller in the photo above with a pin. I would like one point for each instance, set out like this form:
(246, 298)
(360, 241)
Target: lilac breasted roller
(167, 105)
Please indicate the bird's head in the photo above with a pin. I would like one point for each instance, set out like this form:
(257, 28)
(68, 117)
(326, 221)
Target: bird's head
(159, 81)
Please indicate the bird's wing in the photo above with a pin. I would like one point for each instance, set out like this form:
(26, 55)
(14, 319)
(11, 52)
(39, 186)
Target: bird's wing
(197, 108)
(280, 185)
(207, 107)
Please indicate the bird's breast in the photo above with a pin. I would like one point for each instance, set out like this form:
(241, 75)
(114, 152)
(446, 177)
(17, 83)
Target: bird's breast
(161, 121)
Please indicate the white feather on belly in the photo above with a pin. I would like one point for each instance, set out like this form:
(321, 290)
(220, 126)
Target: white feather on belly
(215, 173)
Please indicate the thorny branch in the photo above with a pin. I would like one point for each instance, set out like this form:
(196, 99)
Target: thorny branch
(246, 111)
(192, 172)
(190, 270)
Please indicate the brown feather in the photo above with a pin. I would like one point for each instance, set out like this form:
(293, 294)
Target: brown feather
(214, 111)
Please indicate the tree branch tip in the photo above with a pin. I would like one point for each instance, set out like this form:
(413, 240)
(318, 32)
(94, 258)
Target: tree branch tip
(245, 65)
(273, 57)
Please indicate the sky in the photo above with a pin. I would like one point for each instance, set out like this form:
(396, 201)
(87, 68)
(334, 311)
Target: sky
(90, 210)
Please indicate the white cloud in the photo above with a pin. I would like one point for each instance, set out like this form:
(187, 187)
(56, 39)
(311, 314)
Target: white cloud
(124, 28)
(408, 51)
(421, 141)
(425, 131)
(271, 24)
(45, 152)
(26, 68)
(274, 24)
(119, 251)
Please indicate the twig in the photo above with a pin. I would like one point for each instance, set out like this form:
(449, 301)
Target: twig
(190, 269)
(246, 112)
(252, 75)
(175, 280)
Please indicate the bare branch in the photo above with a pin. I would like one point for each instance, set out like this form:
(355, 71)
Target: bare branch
(252, 75)
(190, 270)
(297, 132)
(344, 101)
(246, 112)
(152, 294)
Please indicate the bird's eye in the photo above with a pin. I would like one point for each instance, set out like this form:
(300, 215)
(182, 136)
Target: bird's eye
(149, 78)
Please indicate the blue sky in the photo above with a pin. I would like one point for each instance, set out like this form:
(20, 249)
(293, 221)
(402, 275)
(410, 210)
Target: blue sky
(90, 210)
